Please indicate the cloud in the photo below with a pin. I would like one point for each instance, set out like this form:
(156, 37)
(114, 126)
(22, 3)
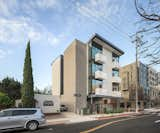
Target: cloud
(18, 27)
(16, 31)
(4, 53)
(98, 8)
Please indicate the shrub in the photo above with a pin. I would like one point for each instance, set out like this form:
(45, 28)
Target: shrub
(5, 101)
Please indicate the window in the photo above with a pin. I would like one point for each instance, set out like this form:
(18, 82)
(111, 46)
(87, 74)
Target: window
(48, 103)
(115, 73)
(115, 58)
(6, 113)
(96, 67)
(96, 84)
(23, 112)
(96, 49)
(115, 87)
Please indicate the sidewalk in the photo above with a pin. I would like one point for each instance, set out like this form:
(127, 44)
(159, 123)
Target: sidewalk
(69, 117)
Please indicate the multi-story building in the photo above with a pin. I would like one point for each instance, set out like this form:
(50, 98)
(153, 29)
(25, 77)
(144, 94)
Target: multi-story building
(89, 74)
(129, 82)
(153, 83)
(148, 92)
(152, 77)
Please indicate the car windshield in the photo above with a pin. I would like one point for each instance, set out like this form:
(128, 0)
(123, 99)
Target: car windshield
(1, 113)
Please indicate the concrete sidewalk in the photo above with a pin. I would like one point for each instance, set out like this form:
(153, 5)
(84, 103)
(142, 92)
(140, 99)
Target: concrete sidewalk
(69, 117)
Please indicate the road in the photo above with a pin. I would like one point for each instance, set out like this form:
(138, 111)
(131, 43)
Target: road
(139, 124)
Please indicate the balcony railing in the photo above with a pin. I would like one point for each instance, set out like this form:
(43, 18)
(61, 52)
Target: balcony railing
(117, 94)
(100, 75)
(100, 58)
(115, 64)
(116, 79)
(105, 92)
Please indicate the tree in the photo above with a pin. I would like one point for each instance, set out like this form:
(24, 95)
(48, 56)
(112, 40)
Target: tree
(11, 87)
(149, 12)
(46, 91)
(27, 88)
(5, 101)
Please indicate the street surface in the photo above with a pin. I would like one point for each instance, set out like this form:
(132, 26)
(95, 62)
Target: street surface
(138, 124)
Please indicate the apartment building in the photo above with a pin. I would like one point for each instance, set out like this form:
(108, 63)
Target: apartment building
(90, 75)
(148, 93)
(153, 83)
(129, 77)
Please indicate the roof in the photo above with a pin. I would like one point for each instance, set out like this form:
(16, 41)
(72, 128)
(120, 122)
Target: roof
(105, 41)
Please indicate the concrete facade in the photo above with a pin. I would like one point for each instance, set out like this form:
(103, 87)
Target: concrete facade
(75, 80)
(90, 75)
(129, 77)
(57, 76)
(148, 83)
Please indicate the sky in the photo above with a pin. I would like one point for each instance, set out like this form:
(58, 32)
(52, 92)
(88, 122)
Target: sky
(51, 25)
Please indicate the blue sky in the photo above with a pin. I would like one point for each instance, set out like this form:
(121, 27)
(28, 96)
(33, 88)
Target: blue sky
(51, 25)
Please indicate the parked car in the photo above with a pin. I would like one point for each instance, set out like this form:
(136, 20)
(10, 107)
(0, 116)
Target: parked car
(27, 118)
(63, 108)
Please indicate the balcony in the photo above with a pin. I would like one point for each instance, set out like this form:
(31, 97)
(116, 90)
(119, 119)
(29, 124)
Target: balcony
(107, 93)
(100, 75)
(100, 91)
(116, 94)
(116, 79)
(100, 58)
(115, 64)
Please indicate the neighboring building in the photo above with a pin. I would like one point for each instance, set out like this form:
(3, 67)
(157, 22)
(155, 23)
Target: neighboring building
(152, 77)
(129, 77)
(148, 84)
(153, 83)
(90, 75)
(155, 96)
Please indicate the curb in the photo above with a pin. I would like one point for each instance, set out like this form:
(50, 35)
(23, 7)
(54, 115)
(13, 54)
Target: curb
(118, 116)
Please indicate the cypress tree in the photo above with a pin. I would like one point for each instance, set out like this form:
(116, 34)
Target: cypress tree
(27, 88)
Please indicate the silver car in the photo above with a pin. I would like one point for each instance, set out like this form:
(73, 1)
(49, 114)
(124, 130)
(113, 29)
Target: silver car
(28, 118)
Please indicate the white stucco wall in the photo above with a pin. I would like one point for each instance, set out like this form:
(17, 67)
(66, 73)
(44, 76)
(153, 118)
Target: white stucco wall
(48, 109)
(107, 68)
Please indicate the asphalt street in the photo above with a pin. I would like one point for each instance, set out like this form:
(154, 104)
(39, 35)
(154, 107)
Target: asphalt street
(139, 124)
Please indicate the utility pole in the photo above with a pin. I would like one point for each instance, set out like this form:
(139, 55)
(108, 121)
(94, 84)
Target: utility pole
(137, 42)
(137, 73)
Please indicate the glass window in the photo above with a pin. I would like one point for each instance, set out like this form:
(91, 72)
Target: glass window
(6, 113)
(96, 84)
(23, 112)
(96, 67)
(48, 103)
(115, 58)
(96, 49)
(115, 87)
(115, 73)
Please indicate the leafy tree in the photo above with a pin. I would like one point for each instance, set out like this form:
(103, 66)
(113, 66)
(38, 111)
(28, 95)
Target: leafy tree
(27, 88)
(11, 87)
(5, 101)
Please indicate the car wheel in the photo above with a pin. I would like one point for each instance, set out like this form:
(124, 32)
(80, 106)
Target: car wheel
(32, 125)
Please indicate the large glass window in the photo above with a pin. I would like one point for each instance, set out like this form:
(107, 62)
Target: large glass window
(115, 73)
(115, 58)
(96, 84)
(96, 67)
(96, 49)
(115, 87)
